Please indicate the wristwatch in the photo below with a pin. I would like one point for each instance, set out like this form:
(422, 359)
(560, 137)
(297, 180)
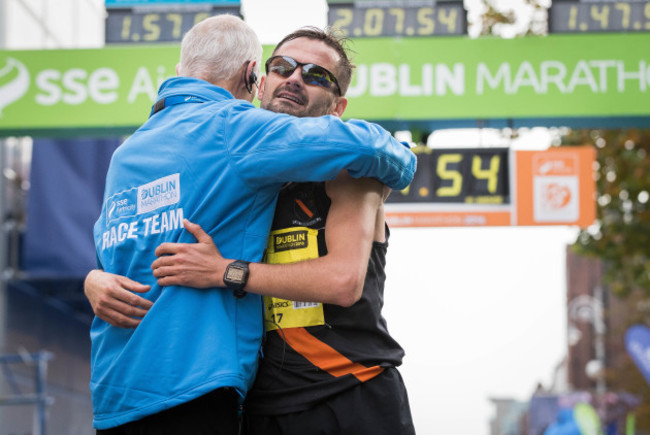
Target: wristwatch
(236, 277)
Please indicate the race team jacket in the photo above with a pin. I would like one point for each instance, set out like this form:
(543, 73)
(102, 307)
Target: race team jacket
(219, 162)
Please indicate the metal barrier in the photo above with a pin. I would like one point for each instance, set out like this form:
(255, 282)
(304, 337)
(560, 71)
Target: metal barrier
(38, 361)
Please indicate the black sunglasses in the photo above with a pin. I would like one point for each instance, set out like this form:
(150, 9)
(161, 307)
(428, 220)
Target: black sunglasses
(312, 74)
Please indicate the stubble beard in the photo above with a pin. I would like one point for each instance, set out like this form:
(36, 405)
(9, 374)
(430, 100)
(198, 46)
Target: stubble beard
(279, 106)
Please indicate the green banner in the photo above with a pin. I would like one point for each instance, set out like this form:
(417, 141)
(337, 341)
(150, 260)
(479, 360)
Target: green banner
(534, 77)
(411, 79)
(81, 89)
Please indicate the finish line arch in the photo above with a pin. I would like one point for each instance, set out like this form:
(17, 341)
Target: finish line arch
(579, 81)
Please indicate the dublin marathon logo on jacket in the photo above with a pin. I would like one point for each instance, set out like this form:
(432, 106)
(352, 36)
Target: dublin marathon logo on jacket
(126, 210)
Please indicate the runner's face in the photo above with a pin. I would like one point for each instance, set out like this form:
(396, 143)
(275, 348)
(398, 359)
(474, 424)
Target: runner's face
(291, 95)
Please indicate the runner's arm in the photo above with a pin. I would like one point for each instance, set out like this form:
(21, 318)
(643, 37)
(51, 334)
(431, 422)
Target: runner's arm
(336, 278)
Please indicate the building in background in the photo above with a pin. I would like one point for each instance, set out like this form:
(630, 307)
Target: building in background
(597, 379)
(587, 301)
(597, 383)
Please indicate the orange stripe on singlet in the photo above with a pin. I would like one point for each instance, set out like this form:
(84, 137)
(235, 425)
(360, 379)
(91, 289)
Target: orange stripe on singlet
(304, 208)
(326, 357)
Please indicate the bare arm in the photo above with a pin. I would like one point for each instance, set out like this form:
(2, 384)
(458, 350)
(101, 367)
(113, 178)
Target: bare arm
(336, 278)
(112, 299)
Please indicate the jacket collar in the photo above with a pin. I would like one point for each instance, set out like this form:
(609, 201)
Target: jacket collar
(193, 86)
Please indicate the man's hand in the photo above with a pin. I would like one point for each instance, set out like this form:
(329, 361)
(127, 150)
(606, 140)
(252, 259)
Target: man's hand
(198, 265)
(112, 300)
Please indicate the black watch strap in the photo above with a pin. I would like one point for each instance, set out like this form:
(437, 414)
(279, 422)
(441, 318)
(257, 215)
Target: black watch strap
(236, 277)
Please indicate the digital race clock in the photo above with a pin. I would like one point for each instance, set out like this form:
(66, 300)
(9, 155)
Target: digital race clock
(364, 19)
(158, 24)
(571, 16)
(469, 176)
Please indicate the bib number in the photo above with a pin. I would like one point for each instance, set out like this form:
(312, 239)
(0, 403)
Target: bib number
(291, 245)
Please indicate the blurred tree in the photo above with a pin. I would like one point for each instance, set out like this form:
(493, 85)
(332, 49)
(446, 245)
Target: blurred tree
(621, 237)
(493, 19)
(621, 240)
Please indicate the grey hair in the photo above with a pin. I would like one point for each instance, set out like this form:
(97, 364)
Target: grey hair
(216, 48)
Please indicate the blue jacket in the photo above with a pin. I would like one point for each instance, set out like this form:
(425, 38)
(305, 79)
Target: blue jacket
(219, 162)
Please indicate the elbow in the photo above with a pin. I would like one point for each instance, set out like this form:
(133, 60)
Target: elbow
(348, 289)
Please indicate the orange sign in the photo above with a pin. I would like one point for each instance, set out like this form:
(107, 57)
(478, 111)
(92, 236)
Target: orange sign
(448, 218)
(556, 187)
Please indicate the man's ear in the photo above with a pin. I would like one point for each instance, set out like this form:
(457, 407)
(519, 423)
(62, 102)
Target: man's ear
(338, 106)
(260, 89)
(178, 69)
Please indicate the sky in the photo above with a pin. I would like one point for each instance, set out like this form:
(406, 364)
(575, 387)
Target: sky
(481, 312)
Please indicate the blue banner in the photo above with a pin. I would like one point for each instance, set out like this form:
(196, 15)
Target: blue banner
(65, 198)
(637, 344)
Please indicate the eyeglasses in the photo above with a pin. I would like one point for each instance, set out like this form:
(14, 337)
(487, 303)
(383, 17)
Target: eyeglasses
(312, 74)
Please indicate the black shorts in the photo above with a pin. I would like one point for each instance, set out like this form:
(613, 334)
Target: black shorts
(377, 407)
(215, 413)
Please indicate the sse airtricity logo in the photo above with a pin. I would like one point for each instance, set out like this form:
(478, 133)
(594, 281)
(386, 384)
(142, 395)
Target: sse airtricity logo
(14, 82)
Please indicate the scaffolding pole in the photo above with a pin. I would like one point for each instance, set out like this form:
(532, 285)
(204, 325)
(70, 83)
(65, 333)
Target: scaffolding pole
(38, 361)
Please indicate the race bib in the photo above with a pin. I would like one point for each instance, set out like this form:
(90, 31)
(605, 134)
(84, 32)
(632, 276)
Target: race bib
(291, 245)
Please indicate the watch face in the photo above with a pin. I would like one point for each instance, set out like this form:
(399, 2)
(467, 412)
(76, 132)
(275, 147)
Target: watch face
(235, 274)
